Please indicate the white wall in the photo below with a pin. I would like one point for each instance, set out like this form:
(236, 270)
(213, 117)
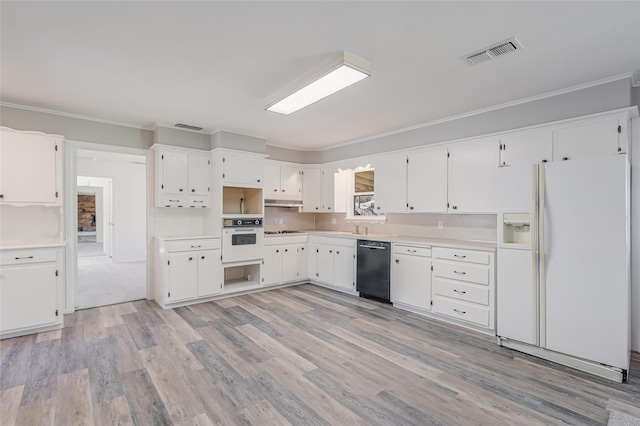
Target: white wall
(129, 205)
(635, 235)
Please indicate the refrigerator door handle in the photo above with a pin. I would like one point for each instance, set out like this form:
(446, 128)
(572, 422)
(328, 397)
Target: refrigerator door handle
(535, 255)
(542, 295)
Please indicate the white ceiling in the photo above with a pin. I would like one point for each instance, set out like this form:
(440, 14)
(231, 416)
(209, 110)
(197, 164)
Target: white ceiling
(214, 64)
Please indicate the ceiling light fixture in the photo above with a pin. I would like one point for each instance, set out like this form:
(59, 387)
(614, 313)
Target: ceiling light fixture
(341, 71)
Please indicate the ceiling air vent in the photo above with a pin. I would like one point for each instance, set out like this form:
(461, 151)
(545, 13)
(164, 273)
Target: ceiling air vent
(187, 126)
(493, 51)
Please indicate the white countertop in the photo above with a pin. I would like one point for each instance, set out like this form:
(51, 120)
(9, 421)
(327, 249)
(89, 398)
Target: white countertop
(429, 241)
(185, 238)
(13, 245)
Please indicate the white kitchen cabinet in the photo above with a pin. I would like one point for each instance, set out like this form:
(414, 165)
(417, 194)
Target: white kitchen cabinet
(332, 262)
(411, 277)
(31, 290)
(595, 138)
(187, 269)
(303, 261)
(183, 178)
(525, 149)
(427, 181)
(472, 177)
(272, 265)
(344, 268)
(290, 263)
(282, 182)
(463, 286)
(311, 190)
(391, 183)
(242, 169)
(30, 168)
(327, 189)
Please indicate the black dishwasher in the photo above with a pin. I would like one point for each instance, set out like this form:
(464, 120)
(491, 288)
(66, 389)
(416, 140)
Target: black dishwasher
(373, 276)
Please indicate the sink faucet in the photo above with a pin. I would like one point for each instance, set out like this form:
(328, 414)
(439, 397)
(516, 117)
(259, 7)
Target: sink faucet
(357, 228)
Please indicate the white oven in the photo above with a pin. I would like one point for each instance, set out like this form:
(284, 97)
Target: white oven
(242, 239)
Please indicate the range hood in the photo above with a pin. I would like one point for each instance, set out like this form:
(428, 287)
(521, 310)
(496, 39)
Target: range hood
(282, 203)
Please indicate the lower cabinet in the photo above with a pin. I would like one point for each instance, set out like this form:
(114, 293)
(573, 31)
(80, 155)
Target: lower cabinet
(332, 262)
(31, 290)
(464, 286)
(411, 276)
(284, 263)
(187, 269)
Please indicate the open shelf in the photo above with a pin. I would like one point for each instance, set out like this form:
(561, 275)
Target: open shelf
(241, 277)
(238, 201)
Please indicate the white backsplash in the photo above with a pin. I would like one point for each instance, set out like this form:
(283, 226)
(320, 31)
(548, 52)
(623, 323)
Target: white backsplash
(291, 219)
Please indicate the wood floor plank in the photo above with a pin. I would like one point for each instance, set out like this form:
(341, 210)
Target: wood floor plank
(127, 357)
(103, 370)
(16, 357)
(73, 350)
(230, 354)
(40, 413)
(9, 405)
(111, 315)
(49, 335)
(179, 325)
(76, 407)
(113, 412)
(246, 303)
(139, 330)
(263, 413)
(93, 326)
(174, 349)
(145, 405)
(41, 383)
(199, 420)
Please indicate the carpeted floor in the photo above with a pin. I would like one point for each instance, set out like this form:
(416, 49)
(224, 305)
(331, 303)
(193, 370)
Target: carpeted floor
(620, 419)
(102, 282)
(90, 249)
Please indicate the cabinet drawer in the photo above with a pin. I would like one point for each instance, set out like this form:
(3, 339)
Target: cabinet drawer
(16, 257)
(471, 256)
(191, 245)
(461, 271)
(171, 201)
(460, 291)
(196, 201)
(412, 250)
(462, 311)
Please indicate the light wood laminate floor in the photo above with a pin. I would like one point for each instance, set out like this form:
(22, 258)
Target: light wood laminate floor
(300, 355)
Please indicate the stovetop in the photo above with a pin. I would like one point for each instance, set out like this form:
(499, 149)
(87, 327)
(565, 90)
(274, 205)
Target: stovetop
(281, 232)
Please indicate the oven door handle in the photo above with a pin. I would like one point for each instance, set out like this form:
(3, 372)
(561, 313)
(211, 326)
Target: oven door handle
(244, 231)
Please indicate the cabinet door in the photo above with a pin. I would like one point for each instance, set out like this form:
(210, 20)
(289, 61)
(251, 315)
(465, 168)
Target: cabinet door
(175, 175)
(427, 181)
(28, 297)
(391, 183)
(290, 263)
(271, 180)
(326, 264)
(28, 167)
(183, 276)
(327, 190)
(587, 140)
(311, 199)
(272, 265)
(210, 278)
(199, 174)
(345, 268)
(245, 169)
(526, 149)
(411, 281)
(313, 253)
(472, 177)
(290, 182)
(303, 262)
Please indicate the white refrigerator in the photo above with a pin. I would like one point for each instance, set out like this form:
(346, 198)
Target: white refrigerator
(563, 280)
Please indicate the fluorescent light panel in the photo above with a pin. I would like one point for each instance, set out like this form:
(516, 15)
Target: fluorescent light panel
(344, 70)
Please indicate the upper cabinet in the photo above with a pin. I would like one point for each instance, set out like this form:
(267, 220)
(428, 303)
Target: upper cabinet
(427, 181)
(183, 178)
(525, 149)
(311, 194)
(319, 188)
(282, 182)
(391, 183)
(472, 177)
(243, 169)
(30, 168)
(595, 138)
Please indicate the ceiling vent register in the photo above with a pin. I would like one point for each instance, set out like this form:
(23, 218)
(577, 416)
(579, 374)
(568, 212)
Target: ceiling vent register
(189, 127)
(494, 51)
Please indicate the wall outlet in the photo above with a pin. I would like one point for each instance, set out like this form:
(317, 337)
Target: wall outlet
(440, 224)
(275, 221)
(334, 221)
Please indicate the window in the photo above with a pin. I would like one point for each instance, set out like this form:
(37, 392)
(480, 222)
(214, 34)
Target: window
(362, 197)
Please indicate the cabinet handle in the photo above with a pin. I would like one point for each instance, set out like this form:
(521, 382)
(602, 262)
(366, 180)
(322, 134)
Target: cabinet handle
(277, 251)
(316, 208)
(337, 252)
(378, 208)
(190, 259)
(196, 246)
(411, 251)
(460, 312)
(258, 180)
(411, 208)
(193, 190)
(174, 201)
(459, 291)
(180, 189)
(460, 256)
(544, 161)
(1, 195)
(397, 260)
(329, 208)
(459, 273)
(455, 207)
(283, 190)
(275, 190)
(24, 257)
(330, 251)
(286, 250)
(202, 257)
(565, 158)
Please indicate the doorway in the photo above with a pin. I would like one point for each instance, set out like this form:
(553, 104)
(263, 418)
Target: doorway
(111, 228)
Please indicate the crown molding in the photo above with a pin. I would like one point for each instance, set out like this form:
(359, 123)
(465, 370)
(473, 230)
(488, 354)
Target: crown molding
(71, 115)
(635, 78)
(628, 75)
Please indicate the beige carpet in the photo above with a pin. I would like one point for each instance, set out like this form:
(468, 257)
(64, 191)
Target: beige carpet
(617, 418)
(102, 282)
